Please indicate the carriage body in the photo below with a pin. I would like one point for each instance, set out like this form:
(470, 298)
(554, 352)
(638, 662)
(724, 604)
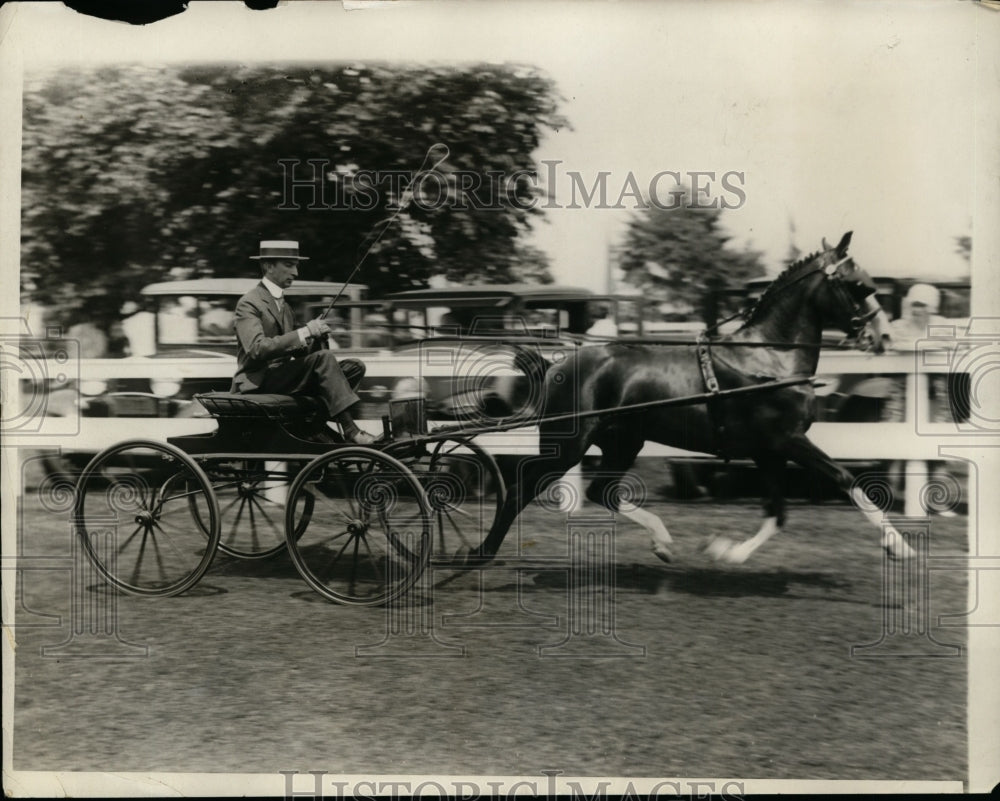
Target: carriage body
(358, 522)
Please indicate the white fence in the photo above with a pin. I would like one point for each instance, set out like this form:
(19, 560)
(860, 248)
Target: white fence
(915, 439)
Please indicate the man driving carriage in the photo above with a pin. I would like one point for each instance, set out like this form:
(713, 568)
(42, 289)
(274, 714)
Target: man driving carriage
(275, 356)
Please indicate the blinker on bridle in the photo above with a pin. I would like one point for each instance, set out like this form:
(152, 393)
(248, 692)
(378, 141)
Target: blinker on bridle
(858, 319)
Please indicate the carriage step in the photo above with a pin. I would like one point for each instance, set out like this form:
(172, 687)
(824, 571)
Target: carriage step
(282, 408)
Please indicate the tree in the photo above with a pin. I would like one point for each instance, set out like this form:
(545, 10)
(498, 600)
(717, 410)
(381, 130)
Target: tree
(794, 252)
(963, 247)
(135, 174)
(682, 255)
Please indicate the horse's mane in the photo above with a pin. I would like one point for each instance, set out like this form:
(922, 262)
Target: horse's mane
(791, 273)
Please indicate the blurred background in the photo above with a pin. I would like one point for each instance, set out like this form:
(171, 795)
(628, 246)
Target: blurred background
(162, 158)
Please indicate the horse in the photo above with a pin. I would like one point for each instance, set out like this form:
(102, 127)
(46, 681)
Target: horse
(779, 337)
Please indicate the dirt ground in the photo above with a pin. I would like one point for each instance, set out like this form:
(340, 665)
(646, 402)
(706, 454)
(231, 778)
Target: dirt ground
(629, 668)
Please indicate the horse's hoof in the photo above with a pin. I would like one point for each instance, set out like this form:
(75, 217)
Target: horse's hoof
(663, 553)
(736, 555)
(718, 548)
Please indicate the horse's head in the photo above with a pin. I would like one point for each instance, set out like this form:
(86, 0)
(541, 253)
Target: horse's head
(846, 298)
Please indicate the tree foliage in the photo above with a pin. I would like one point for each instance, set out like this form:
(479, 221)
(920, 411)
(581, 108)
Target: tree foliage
(133, 174)
(963, 247)
(682, 255)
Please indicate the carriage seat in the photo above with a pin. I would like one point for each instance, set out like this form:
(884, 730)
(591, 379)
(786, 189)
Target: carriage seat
(280, 408)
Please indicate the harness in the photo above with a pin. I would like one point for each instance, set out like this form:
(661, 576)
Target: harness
(703, 351)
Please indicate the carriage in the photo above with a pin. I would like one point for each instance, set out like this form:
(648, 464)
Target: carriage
(360, 523)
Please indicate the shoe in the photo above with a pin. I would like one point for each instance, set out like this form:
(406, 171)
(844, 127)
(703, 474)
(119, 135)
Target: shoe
(360, 437)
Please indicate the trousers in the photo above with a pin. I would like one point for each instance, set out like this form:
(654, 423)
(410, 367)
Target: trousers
(318, 374)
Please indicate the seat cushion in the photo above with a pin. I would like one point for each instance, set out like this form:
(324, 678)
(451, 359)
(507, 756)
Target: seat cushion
(275, 407)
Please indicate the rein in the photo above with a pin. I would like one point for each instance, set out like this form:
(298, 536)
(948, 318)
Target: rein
(831, 273)
(703, 343)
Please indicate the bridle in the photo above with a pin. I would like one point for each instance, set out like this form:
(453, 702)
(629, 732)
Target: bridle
(859, 316)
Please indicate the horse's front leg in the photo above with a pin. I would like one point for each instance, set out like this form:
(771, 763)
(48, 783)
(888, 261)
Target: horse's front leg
(802, 451)
(772, 472)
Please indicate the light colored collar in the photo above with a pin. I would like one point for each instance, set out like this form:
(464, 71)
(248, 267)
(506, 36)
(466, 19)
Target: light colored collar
(275, 290)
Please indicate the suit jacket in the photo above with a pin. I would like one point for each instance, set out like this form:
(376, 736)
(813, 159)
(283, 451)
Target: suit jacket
(264, 335)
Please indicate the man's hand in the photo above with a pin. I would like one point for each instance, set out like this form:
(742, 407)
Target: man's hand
(318, 327)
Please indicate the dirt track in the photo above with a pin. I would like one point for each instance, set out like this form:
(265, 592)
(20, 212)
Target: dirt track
(716, 671)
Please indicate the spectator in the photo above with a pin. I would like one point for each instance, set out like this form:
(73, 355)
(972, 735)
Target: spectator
(375, 330)
(118, 344)
(448, 325)
(602, 326)
(920, 310)
(138, 324)
(93, 342)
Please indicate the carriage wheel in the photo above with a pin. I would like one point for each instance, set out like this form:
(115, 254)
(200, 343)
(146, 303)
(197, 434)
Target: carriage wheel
(464, 487)
(368, 539)
(252, 495)
(147, 518)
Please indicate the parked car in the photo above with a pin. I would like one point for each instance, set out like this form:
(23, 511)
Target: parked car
(497, 337)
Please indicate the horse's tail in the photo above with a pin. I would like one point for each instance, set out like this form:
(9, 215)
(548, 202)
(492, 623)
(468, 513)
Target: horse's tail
(527, 403)
(535, 367)
(531, 362)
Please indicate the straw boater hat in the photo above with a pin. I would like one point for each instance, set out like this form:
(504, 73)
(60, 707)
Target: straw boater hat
(279, 249)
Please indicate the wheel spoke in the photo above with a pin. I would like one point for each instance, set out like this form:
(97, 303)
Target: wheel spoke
(337, 510)
(354, 566)
(236, 522)
(330, 564)
(447, 508)
(233, 532)
(232, 503)
(458, 531)
(167, 539)
(260, 496)
(372, 559)
(255, 501)
(343, 493)
(129, 539)
(139, 558)
(159, 556)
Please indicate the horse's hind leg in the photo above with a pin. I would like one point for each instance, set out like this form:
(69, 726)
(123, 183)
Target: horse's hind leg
(617, 456)
(536, 476)
(808, 455)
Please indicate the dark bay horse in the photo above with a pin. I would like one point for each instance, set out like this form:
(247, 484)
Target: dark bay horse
(821, 291)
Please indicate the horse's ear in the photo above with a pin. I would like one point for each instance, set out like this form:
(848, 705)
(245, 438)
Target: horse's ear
(845, 242)
(824, 244)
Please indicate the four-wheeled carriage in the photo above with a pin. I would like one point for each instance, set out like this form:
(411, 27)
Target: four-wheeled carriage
(359, 522)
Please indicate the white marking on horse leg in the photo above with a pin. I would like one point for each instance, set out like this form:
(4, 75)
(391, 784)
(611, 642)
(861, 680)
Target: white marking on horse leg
(892, 541)
(738, 554)
(660, 538)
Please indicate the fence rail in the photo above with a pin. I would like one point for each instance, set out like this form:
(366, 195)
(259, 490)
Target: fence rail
(915, 438)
